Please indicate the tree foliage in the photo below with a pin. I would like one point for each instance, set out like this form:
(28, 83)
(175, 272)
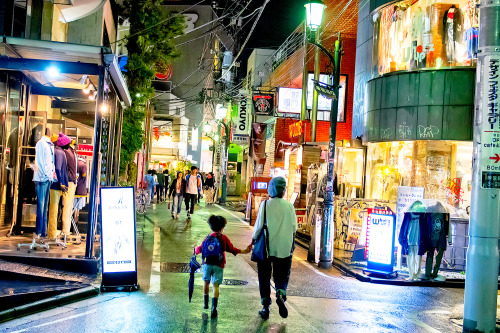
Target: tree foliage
(150, 50)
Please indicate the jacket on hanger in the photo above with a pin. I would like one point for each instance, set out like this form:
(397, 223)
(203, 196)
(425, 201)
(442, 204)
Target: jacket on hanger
(61, 170)
(405, 228)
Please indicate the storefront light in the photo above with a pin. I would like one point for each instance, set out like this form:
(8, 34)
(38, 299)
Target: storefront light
(207, 127)
(87, 89)
(93, 95)
(53, 72)
(104, 108)
(314, 14)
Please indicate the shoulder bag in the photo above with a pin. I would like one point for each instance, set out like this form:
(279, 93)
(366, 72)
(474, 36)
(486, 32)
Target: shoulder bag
(261, 247)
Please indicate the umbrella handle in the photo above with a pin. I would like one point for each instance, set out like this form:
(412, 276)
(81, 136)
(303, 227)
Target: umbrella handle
(194, 252)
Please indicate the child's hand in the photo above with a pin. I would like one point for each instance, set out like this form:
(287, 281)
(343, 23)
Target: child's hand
(247, 250)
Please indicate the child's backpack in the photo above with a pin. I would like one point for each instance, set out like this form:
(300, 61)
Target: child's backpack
(211, 251)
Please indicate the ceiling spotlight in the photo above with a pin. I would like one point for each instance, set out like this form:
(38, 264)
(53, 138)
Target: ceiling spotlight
(93, 95)
(104, 108)
(53, 72)
(87, 89)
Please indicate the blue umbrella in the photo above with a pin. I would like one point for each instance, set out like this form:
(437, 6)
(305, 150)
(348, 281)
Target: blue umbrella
(193, 267)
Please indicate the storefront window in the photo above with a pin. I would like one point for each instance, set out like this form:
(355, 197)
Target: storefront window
(350, 172)
(410, 35)
(443, 168)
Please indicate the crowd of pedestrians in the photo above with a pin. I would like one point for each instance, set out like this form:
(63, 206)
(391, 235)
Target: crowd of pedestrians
(189, 187)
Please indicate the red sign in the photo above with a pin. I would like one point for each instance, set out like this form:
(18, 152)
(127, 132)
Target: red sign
(296, 129)
(166, 75)
(85, 150)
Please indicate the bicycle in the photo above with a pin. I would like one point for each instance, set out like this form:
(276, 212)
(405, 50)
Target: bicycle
(141, 201)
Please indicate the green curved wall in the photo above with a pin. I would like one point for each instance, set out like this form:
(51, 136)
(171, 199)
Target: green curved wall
(421, 105)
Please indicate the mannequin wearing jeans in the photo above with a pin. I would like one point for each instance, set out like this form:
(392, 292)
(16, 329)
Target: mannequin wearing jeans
(59, 185)
(43, 176)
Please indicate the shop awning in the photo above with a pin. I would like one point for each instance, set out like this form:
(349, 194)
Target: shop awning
(80, 9)
(33, 57)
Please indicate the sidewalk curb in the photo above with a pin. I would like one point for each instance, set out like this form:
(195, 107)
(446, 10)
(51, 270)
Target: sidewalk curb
(48, 303)
(364, 278)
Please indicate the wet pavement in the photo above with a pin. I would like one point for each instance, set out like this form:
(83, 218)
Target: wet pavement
(318, 300)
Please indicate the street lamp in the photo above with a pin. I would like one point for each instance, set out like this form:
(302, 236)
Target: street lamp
(314, 15)
(207, 127)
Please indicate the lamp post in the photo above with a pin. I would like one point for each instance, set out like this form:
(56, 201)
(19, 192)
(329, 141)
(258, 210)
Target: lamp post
(314, 16)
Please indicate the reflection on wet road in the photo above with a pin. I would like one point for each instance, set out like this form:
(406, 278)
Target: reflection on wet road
(319, 300)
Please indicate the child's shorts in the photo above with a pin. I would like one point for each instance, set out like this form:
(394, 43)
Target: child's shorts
(212, 273)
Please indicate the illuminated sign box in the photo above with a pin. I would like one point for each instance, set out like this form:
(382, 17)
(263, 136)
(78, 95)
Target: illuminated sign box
(289, 100)
(381, 229)
(119, 257)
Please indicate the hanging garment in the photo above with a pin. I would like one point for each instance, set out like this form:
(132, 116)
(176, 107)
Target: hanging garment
(409, 234)
(452, 31)
(439, 224)
(413, 261)
(471, 37)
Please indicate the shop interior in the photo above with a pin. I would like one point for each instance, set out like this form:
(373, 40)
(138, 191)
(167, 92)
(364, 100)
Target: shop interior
(410, 35)
(47, 126)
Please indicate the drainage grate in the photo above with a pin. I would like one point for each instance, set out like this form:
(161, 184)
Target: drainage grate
(174, 267)
(231, 282)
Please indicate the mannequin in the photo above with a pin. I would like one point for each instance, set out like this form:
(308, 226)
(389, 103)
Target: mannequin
(452, 31)
(43, 177)
(409, 238)
(60, 183)
(81, 189)
(439, 228)
(69, 195)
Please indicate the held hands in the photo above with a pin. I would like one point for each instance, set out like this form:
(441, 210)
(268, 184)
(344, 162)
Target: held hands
(248, 249)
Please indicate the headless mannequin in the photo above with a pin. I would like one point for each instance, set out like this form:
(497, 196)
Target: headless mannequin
(440, 230)
(69, 196)
(414, 261)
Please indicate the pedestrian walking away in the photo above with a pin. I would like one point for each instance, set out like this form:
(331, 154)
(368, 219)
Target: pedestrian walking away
(149, 179)
(281, 223)
(193, 184)
(209, 189)
(160, 187)
(177, 190)
(213, 250)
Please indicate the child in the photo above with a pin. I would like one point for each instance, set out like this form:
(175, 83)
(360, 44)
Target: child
(214, 259)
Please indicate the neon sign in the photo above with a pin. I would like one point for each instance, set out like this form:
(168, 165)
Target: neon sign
(296, 129)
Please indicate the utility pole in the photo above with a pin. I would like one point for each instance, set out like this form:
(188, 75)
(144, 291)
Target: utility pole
(314, 110)
(481, 282)
(305, 74)
(326, 252)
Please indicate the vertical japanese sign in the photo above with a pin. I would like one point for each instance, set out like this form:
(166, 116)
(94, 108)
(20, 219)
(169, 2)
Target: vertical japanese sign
(242, 121)
(490, 129)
